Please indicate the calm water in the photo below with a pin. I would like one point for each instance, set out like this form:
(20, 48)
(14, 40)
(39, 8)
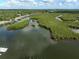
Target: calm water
(36, 44)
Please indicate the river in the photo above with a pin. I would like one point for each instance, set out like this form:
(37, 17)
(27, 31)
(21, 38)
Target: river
(36, 44)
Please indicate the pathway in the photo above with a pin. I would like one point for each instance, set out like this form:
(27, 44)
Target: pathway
(58, 18)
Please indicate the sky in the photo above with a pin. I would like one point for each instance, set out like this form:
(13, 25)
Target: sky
(39, 4)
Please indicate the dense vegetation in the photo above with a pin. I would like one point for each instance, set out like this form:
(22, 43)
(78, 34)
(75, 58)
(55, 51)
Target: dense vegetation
(72, 20)
(66, 11)
(18, 25)
(59, 29)
(11, 14)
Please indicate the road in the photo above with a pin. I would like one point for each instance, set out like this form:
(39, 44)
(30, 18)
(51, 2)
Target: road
(58, 18)
(17, 19)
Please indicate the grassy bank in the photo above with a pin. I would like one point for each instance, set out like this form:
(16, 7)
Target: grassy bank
(71, 19)
(18, 25)
(59, 30)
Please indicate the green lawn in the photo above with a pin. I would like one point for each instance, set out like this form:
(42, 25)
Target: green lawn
(59, 29)
(18, 25)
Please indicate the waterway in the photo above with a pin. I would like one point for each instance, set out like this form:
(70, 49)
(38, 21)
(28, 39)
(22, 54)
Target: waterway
(36, 44)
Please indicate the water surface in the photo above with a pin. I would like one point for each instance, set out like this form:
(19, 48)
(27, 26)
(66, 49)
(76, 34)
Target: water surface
(36, 44)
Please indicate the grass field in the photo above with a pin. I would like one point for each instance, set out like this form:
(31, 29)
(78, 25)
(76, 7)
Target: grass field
(71, 20)
(60, 30)
(18, 25)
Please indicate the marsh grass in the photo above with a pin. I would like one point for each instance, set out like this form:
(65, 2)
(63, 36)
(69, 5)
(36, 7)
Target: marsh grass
(59, 29)
(18, 25)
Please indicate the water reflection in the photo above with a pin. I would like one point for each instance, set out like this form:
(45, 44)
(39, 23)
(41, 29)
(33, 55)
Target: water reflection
(36, 44)
(29, 43)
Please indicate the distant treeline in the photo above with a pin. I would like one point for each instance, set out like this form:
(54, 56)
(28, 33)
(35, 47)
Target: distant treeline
(7, 14)
(66, 11)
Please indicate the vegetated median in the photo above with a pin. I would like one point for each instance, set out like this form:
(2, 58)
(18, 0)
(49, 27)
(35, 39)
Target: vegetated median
(19, 25)
(59, 30)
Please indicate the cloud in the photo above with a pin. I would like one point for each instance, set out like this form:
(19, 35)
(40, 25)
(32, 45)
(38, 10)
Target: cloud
(12, 2)
(48, 1)
(71, 0)
(40, 4)
(44, 2)
(20, 2)
(30, 2)
(60, 4)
